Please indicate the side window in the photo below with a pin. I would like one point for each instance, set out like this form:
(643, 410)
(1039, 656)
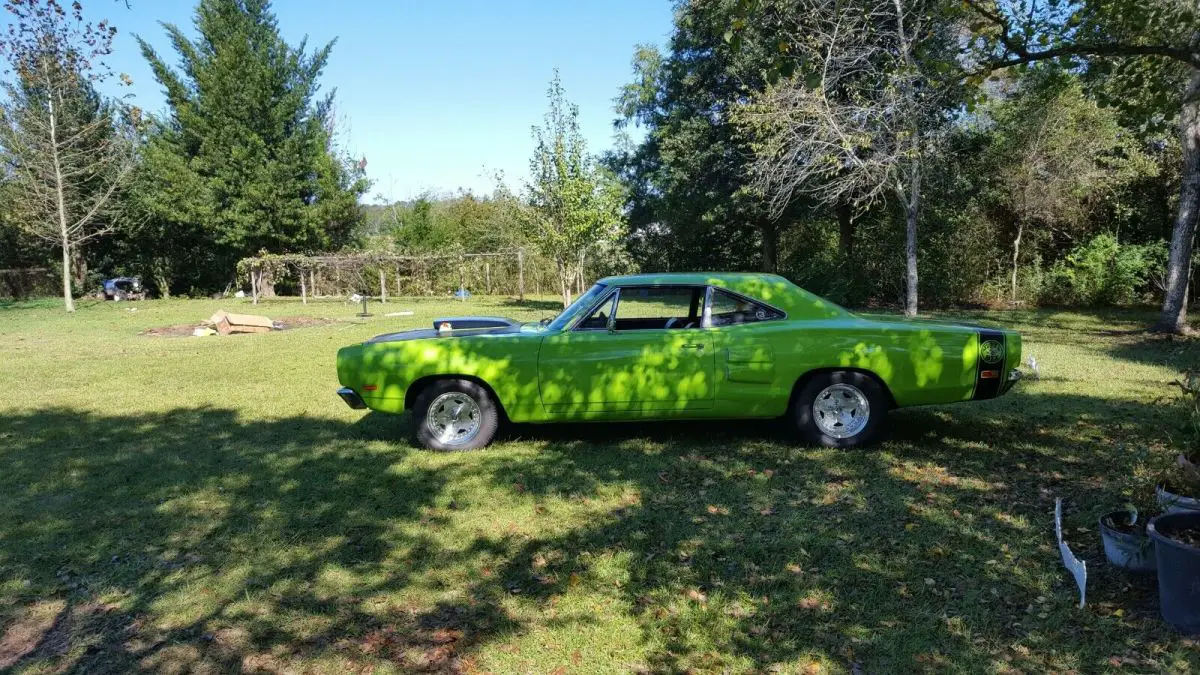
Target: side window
(657, 307)
(598, 319)
(729, 309)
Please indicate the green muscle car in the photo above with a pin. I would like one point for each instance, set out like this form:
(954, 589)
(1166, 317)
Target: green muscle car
(673, 346)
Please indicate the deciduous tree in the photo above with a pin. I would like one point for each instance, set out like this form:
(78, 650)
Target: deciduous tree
(688, 180)
(855, 122)
(574, 207)
(1055, 154)
(66, 150)
(1157, 40)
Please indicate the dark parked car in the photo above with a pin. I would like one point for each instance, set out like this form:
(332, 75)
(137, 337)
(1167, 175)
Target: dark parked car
(124, 288)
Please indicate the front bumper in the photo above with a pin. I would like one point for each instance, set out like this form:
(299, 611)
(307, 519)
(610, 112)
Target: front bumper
(351, 398)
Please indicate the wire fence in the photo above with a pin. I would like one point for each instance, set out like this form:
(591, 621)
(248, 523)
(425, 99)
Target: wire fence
(380, 275)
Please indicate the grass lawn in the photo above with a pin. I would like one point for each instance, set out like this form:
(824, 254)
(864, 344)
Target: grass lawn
(208, 504)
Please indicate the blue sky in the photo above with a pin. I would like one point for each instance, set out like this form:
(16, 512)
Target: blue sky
(437, 95)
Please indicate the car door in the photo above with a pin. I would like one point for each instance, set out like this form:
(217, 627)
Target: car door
(747, 336)
(640, 352)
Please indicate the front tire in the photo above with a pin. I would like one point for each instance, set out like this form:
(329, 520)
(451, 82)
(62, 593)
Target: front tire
(841, 409)
(454, 415)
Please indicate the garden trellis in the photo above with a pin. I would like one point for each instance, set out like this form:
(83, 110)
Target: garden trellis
(381, 274)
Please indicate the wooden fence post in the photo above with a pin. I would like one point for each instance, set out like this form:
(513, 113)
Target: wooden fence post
(303, 290)
(382, 285)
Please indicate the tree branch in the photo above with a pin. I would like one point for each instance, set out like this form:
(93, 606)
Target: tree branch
(1021, 56)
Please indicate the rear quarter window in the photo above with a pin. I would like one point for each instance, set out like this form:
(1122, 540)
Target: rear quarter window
(729, 310)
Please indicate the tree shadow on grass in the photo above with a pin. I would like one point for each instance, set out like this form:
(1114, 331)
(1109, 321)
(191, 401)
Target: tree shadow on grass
(1178, 353)
(932, 552)
(196, 539)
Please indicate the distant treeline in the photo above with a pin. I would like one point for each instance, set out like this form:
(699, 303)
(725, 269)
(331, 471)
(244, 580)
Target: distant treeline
(863, 149)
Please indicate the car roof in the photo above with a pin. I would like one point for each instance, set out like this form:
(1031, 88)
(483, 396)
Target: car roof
(772, 289)
(690, 278)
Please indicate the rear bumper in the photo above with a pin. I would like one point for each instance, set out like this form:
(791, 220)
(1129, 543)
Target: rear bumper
(351, 398)
(1014, 376)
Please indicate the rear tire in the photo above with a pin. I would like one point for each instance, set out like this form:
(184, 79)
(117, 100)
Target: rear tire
(841, 409)
(454, 415)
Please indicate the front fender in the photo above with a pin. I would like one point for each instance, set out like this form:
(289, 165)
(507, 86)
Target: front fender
(382, 372)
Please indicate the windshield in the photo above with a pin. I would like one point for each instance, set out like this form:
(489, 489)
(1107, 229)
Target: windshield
(581, 304)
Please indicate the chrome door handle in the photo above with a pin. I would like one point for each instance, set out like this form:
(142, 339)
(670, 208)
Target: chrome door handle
(693, 346)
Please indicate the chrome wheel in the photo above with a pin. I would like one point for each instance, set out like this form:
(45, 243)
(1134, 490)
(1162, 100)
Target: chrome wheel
(841, 410)
(453, 418)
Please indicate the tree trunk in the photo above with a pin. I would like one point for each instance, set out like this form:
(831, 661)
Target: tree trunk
(912, 210)
(382, 286)
(846, 228)
(68, 300)
(1173, 318)
(266, 284)
(770, 246)
(312, 282)
(1016, 255)
(521, 275)
(303, 289)
(579, 274)
(564, 281)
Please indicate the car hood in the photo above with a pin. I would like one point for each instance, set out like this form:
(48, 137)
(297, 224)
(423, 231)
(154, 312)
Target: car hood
(472, 326)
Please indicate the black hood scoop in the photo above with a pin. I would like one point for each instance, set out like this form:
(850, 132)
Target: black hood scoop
(455, 326)
(470, 322)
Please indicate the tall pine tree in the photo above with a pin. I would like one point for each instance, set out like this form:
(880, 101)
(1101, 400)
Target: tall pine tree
(245, 160)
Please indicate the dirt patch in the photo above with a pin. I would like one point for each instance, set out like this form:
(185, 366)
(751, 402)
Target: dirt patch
(32, 630)
(186, 329)
(303, 322)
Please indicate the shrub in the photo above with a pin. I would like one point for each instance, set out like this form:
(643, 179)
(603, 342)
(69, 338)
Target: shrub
(1102, 272)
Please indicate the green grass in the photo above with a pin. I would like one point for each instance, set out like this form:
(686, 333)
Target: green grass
(208, 504)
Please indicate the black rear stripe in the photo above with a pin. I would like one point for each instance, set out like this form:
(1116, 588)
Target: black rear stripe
(990, 387)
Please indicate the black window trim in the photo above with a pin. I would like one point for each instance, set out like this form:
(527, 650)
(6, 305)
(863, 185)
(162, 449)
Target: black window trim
(712, 290)
(705, 318)
(616, 307)
(613, 293)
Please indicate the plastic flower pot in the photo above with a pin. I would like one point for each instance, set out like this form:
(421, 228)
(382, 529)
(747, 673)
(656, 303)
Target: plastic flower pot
(1171, 502)
(1177, 554)
(1126, 545)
